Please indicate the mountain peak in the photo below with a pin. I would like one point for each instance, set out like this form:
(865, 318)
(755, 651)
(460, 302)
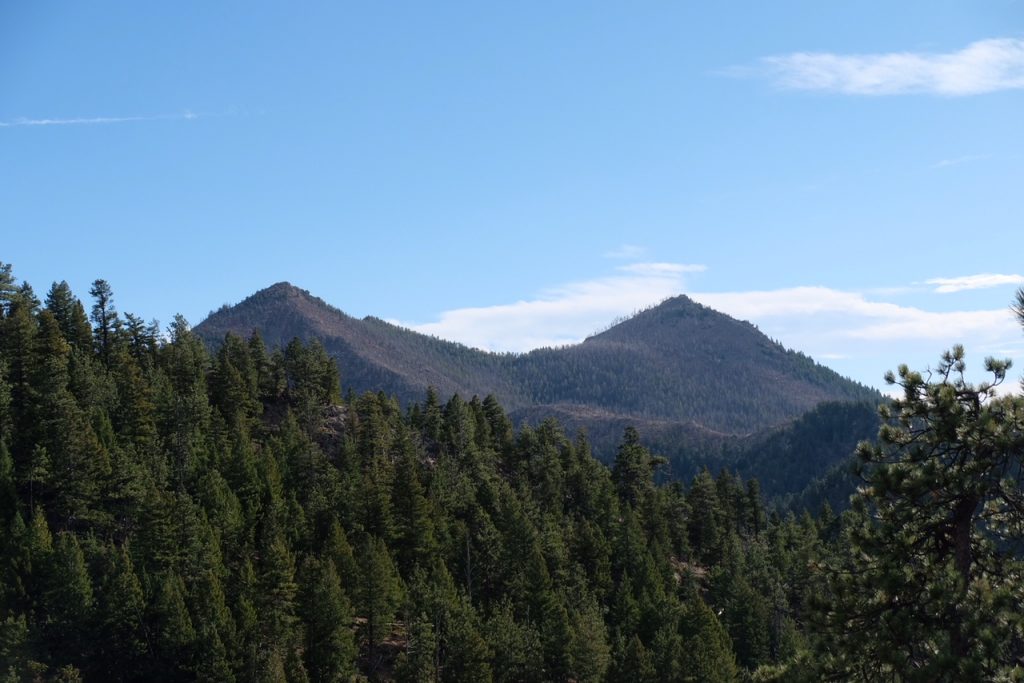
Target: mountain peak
(278, 312)
(292, 299)
(678, 301)
(674, 316)
(679, 361)
(283, 288)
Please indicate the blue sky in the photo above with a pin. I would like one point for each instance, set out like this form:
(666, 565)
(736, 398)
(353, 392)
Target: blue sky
(846, 175)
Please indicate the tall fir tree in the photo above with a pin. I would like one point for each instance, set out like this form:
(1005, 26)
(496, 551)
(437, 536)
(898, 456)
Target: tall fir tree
(329, 645)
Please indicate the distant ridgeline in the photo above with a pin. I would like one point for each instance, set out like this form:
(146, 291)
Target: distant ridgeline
(704, 389)
(173, 514)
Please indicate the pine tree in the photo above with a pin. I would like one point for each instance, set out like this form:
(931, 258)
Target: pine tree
(499, 425)
(18, 347)
(748, 618)
(70, 315)
(458, 428)
(379, 592)
(104, 317)
(930, 589)
(14, 648)
(709, 655)
(669, 653)
(69, 602)
(460, 653)
(75, 462)
(243, 598)
(234, 384)
(633, 663)
(418, 663)
(312, 383)
(270, 377)
(429, 422)
(15, 566)
(275, 599)
(8, 489)
(216, 633)
(39, 544)
(183, 405)
(415, 544)
(516, 646)
(173, 632)
(589, 651)
(634, 469)
(141, 341)
(120, 606)
(467, 655)
(705, 527)
(8, 288)
(330, 648)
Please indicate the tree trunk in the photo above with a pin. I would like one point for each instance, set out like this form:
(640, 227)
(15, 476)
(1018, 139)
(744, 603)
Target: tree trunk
(963, 558)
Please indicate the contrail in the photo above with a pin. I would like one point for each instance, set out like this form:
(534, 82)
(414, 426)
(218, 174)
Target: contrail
(98, 120)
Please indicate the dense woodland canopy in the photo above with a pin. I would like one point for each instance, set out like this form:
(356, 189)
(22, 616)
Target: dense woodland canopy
(172, 514)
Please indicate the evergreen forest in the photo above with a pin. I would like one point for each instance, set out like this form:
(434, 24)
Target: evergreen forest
(172, 512)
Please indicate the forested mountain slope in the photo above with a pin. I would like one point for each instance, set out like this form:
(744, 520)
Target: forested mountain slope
(686, 362)
(679, 366)
(170, 514)
(373, 355)
(803, 461)
(176, 516)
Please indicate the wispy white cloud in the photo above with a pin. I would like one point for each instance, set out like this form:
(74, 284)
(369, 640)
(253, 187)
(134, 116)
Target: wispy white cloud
(567, 314)
(852, 315)
(861, 334)
(626, 252)
(953, 326)
(946, 163)
(948, 285)
(792, 301)
(982, 67)
(98, 120)
(563, 315)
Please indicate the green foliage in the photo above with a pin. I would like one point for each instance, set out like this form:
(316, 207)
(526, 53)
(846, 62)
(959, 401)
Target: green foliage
(633, 472)
(330, 648)
(683, 374)
(633, 663)
(930, 588)
(106, 324)
(589, 651)
(172, 626)
(68, 600)
(516, 646)
(793, 458)
(705, 525)
(708, 655)
(120, 610)
(171, 515)
(378, 592)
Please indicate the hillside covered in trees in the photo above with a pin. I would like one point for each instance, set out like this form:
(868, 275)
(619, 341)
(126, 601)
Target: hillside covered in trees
(168, 514)
(171, 515)
(678, 361)
(673, 371)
